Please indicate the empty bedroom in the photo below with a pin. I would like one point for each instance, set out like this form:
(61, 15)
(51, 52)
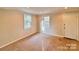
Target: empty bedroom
(39, 29)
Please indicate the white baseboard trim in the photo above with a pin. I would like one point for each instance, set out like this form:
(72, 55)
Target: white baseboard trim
(59, 35)
(54, 35)
(14, 41)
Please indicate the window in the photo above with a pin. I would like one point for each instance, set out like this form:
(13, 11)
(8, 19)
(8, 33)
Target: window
(27, 22)
(45, 24)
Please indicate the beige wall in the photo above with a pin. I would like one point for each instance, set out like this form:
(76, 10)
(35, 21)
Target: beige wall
(58, 21)
(38, 22)
(78, 28)
(57, 24)
(11, 26)
(70, 21)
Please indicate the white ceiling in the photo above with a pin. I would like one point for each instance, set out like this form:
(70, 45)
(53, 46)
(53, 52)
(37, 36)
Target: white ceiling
(41, 10)
(38, 10)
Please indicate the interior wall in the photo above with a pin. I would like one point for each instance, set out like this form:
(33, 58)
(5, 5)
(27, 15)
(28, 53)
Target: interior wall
(58, 20)
(11, 26)
(78, 28)
(56, 25)
(70, 21)
(39, 22)
(57, 28)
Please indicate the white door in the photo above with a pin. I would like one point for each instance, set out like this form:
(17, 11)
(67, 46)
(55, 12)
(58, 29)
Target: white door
(70, 25)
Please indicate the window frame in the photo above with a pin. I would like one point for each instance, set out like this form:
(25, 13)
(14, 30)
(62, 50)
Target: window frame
(27, 29)
(43, 19)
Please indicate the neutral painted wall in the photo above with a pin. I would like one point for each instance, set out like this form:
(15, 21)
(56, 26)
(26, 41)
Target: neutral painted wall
(70, 21)
(78, 28)
(57, 25)
(58, 21)
(11, 26)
